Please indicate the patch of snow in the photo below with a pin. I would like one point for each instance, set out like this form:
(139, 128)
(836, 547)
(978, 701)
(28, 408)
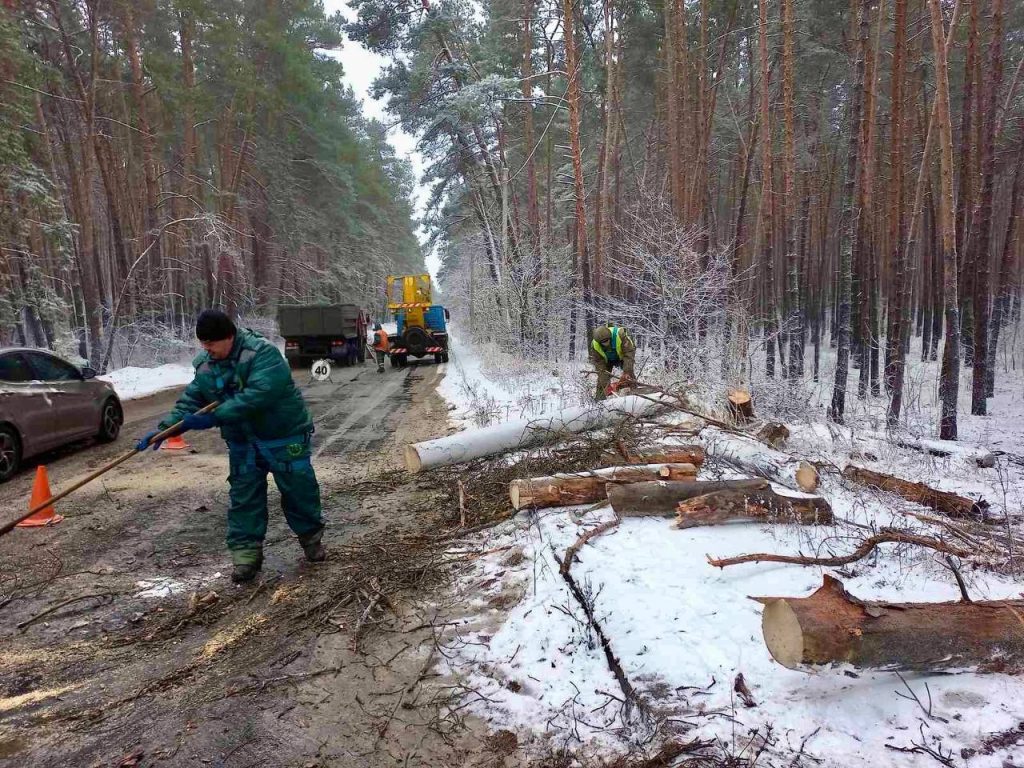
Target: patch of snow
(161, 586)
(131, 383)
(165, 586)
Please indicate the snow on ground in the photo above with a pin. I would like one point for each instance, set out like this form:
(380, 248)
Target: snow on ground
(683, 629)
(489, 386)
(131, 383)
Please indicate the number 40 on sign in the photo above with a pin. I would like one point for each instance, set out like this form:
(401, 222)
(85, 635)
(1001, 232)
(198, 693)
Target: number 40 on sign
(321, 370)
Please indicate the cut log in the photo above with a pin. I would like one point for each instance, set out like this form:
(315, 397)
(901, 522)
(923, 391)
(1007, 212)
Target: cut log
(758, 459)
(587, 487)
(942, 501)
(741, 406)
(661, 499)
(523, 433)
(943, 448)
(832, 627)
(682, 454)
(764, 505)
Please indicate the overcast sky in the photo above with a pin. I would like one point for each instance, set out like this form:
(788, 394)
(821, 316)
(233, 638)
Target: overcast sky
(361, 68)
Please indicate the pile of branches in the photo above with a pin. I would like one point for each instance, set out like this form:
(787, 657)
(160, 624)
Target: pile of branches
(475, 495)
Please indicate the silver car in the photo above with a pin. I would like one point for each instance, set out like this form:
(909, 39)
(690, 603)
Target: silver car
(46, 402)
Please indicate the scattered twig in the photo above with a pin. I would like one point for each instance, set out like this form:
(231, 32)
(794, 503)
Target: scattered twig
(60, 605)
(959, 579)
(862, 551)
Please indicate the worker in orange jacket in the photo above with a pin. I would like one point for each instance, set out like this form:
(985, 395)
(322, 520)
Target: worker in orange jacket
(381, 345)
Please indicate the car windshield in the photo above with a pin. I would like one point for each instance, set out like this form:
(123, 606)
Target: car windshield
(48, 368)
(13, 368)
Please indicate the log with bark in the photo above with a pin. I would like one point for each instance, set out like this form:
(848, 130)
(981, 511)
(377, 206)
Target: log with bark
(758, 459)
(942, 501)
(654, 499)
(587, 487)
(833, 627)
(764, 505)
(523, 433)
(681, 454)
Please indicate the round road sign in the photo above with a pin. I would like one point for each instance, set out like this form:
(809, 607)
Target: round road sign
(321, 370)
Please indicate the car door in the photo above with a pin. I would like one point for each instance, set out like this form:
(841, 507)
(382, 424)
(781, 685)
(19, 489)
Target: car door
(75, 410)
(22, 404)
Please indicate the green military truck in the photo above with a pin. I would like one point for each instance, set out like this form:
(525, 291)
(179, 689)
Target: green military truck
(335, 332)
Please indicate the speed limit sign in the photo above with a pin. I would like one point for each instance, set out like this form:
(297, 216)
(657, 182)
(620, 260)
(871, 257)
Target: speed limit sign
(321, 370)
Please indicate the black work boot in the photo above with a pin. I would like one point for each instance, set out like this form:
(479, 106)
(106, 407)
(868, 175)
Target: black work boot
(247, 571)
(313, 548)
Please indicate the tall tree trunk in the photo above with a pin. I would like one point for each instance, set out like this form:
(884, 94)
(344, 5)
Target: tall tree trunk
(573, 66)
(794, 323)
(949, 387)
(767, 207)
(895, 357)
(850, 224)
(983, 237)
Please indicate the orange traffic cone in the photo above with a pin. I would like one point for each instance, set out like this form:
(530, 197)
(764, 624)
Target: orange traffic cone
(176, 443)
(40, 493)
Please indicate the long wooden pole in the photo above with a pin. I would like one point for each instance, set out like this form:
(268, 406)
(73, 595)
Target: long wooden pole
(169, 432)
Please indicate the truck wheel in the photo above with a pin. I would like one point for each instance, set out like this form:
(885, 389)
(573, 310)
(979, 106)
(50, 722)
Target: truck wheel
(438, 358)
(444, 357)
(403, 361)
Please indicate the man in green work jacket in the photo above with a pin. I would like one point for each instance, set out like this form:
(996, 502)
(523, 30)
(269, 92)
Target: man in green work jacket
(611, 347)
(267, 427)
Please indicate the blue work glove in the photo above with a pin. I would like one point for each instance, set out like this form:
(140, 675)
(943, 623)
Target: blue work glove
(144, 443)
(199, 421)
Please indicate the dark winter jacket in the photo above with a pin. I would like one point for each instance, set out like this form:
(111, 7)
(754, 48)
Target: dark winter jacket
(255, 388)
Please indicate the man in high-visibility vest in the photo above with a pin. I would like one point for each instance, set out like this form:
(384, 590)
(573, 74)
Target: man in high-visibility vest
(611, 347)
(381, 345)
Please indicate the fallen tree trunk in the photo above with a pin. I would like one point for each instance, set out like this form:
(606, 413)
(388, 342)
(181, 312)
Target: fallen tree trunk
(758, 459)
(662, 499)
(764, 505)
(831, 627)
(683, 454)
(942, 501)
(587, 487)
(944, 448)
(523, 433)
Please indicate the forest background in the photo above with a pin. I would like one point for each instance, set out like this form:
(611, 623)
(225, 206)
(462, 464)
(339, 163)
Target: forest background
(778, 191)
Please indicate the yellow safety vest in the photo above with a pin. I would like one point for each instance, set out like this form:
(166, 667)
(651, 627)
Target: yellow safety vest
(616, 345)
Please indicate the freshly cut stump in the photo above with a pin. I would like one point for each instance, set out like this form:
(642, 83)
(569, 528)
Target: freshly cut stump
(764, 505)
(741, 406)
(833, 627)
(587, 487)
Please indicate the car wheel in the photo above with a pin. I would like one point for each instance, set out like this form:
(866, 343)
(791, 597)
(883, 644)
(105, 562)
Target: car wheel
(111, 419)
(10, 453)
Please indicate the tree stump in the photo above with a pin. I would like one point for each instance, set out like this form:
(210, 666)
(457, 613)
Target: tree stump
(741, 406)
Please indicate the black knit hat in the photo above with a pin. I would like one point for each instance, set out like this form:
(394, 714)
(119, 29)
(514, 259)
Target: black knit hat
(214, 325)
